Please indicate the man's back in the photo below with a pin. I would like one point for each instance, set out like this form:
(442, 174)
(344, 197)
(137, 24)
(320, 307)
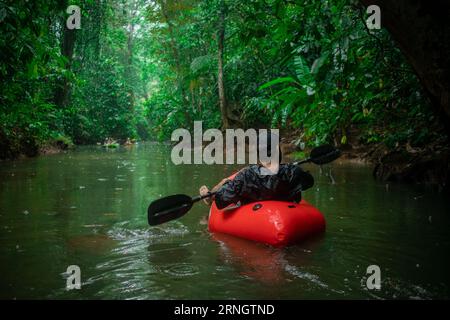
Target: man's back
(253, 184)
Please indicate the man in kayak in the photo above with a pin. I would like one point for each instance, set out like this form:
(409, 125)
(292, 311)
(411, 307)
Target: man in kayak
(284, 182)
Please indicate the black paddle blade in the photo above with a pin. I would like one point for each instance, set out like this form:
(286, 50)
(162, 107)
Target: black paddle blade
(168, 208)
(324, 154)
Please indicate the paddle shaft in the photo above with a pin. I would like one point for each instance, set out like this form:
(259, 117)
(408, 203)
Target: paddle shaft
(302, 162)
(199, 197)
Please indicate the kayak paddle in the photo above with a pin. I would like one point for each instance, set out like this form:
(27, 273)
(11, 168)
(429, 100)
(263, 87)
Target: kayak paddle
(172, 207)
(175, 206)
(322, 155)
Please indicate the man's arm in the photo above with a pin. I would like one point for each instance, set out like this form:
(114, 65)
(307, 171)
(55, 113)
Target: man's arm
(204, 189)
(299, 181)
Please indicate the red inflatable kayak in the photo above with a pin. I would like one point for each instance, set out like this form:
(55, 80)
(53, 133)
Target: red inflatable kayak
(276, 223)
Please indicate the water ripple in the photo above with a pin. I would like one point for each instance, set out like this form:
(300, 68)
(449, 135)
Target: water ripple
(305, 275)
(119, 232)
(182, 269)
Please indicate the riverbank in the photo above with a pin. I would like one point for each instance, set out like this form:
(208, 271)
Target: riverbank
(49, 147)
(427, 165)
(21, 147)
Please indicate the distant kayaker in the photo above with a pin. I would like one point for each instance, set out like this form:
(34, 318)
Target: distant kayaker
(252, 183)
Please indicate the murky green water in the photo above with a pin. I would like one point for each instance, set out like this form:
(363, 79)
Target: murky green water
(88, 208)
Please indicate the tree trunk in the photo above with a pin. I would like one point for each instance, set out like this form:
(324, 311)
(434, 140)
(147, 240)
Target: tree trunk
(62, 92)
(422, 31)
(220, 41)
(176, 56)
(129, 68)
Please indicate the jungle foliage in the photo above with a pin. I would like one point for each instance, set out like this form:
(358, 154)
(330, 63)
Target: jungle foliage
(140, 69)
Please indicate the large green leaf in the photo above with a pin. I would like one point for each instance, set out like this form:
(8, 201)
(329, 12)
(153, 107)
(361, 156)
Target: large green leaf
(318, 63)
(277, 81)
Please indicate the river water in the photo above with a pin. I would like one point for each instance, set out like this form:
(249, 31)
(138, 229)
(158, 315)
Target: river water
(88, 208)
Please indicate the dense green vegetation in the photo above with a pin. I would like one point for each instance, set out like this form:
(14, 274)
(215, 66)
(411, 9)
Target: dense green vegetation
(140, 69)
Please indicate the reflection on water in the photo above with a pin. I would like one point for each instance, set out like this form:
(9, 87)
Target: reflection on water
(88, 208)
(90, 243)
(254, 260)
